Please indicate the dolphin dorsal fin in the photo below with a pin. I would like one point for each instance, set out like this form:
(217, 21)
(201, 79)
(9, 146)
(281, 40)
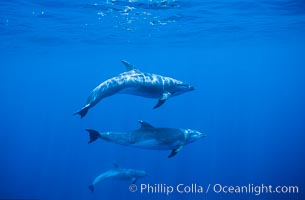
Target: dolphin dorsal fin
(128, 66)
(145, 124)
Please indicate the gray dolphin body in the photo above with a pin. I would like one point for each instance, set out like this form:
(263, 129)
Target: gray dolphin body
(119, 174)
(149, 137)
(137, 83)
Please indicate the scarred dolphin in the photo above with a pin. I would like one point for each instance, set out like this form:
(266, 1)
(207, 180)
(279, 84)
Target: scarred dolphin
(138, 83)
(149, 137)
(119, 174)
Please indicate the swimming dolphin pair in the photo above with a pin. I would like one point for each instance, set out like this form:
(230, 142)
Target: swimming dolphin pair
(119, 174)
(149, 137)
(138, 83)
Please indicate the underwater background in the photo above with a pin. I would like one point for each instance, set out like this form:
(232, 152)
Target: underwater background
(246, 60)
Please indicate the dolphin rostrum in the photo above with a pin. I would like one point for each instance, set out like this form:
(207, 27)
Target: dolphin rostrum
(149, 137)
(119, 174)
(138, 83)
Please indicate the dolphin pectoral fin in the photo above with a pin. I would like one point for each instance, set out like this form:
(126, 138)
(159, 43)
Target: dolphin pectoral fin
(165, 96)
(128, 66)
(175, 151)
(82, 112)
(160, 102)
(133, 180)
(93, 134)
(91, 187)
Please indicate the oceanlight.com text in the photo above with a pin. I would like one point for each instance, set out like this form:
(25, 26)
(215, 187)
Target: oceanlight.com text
(255, 189)
(195, 188)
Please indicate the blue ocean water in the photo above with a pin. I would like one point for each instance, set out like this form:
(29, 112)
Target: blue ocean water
(245, 58)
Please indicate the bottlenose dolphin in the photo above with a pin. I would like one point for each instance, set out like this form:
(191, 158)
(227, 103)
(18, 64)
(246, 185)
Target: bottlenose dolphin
(119, 174)
(149, 137)
(138, 83)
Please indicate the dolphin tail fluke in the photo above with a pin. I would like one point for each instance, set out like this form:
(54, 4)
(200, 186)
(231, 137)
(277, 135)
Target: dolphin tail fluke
(133, 180)
(82, 112)
(93, 134)
(91, 188)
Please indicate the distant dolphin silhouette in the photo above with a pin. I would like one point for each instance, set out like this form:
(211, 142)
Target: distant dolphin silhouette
(136, 83)
(119, 174)
(149, 137)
